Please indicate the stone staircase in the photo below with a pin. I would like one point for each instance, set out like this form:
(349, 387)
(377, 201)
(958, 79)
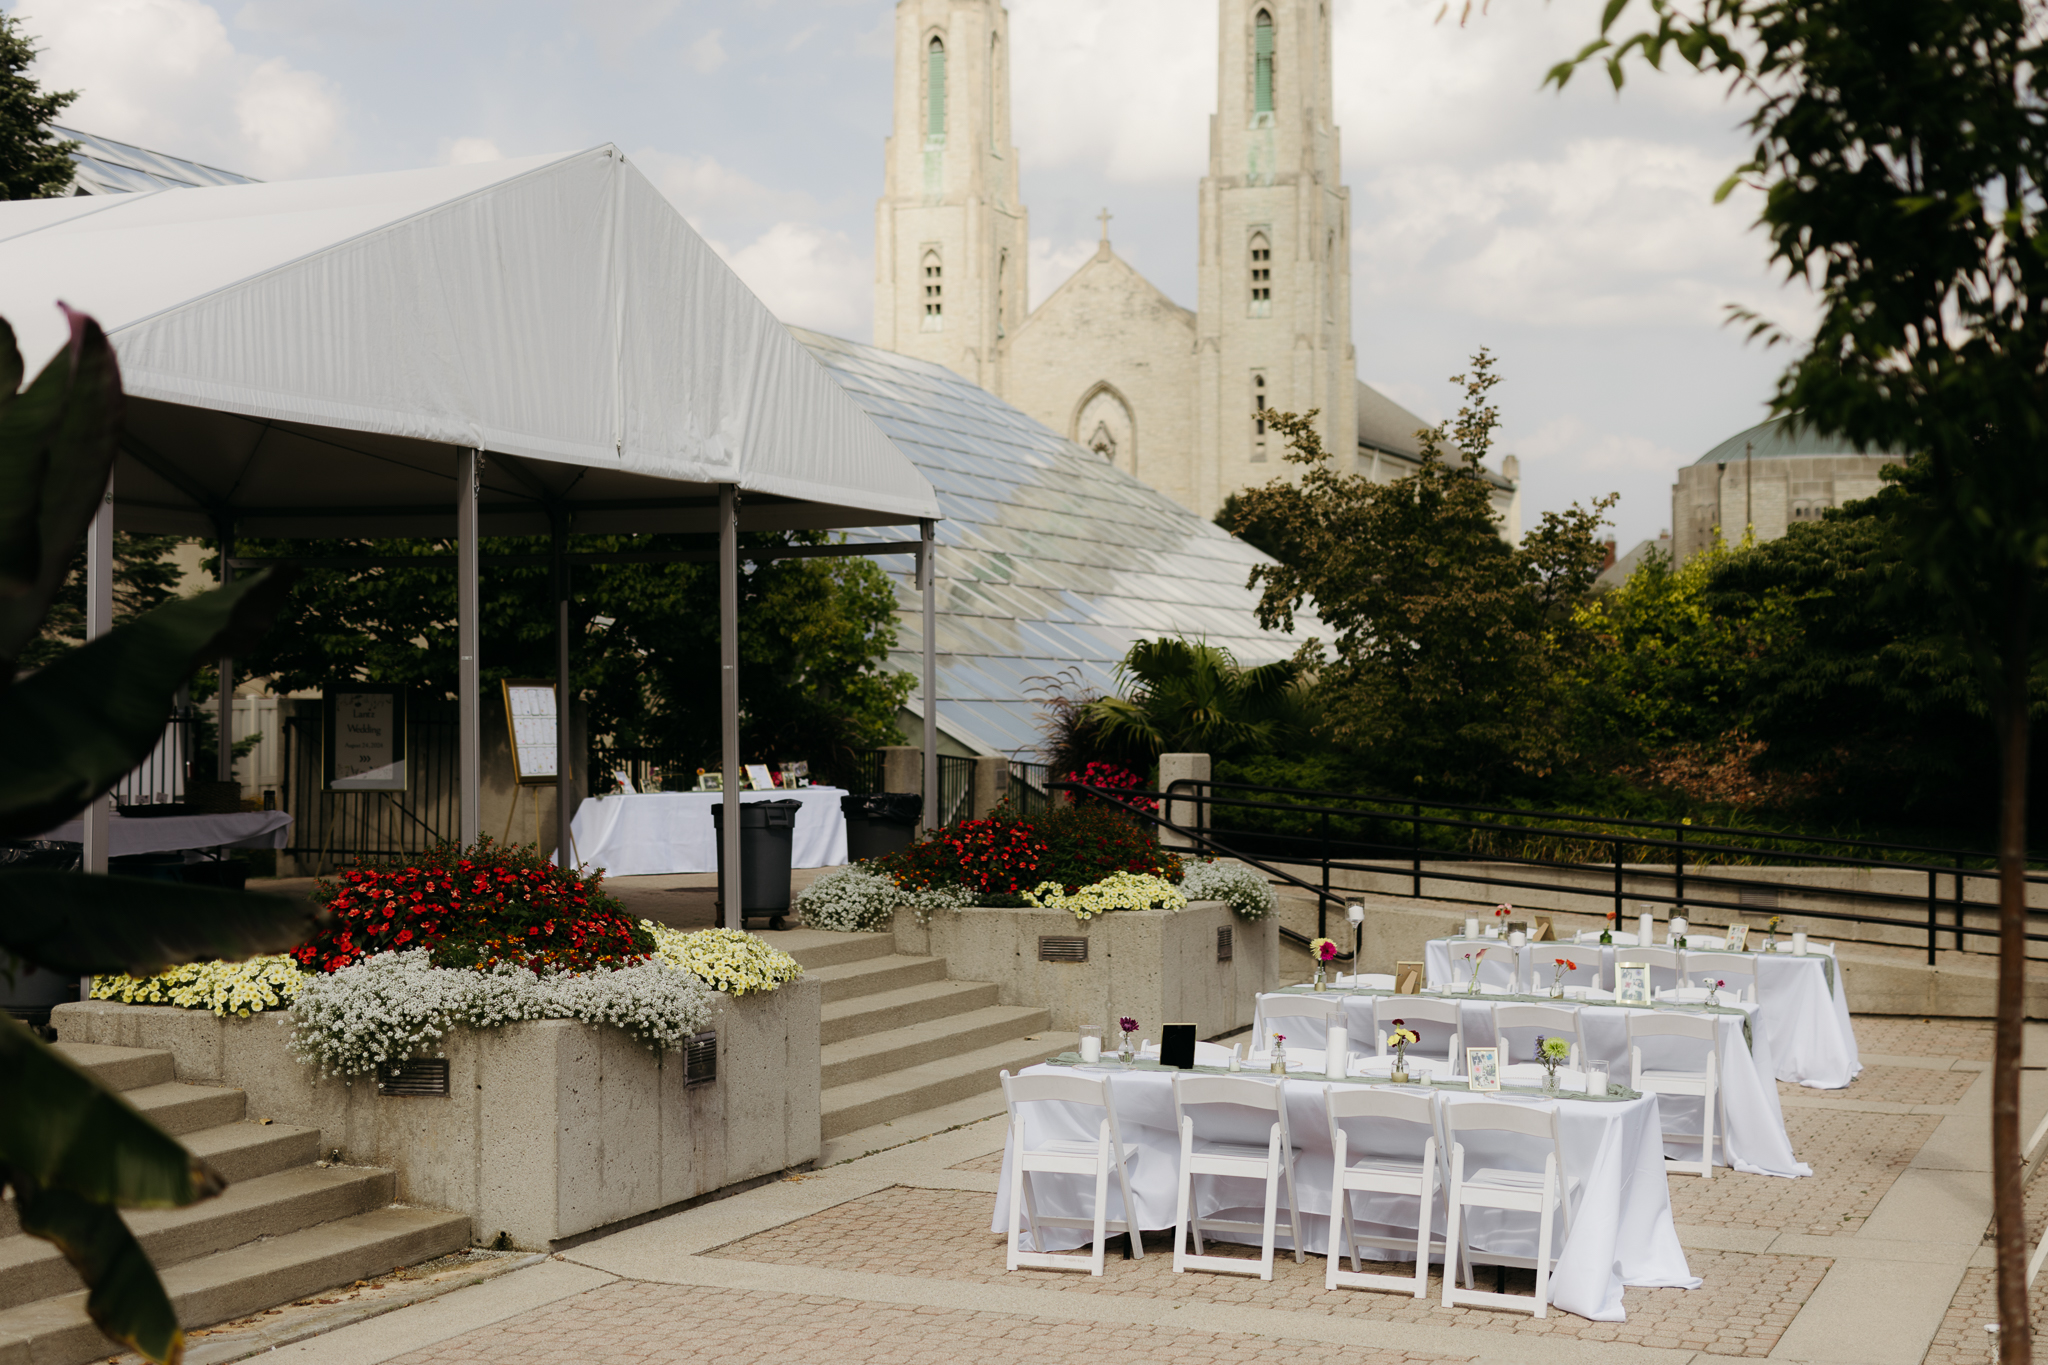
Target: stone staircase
(900, 1037)
(287, 1225)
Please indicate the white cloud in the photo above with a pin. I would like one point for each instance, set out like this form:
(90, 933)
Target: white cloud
(1569, 439)
(717, 199)
(165, 74)
(707, 54)
(811, 276)
(618, 25)
(1127, 87)
(464, 150)
(1050, 268)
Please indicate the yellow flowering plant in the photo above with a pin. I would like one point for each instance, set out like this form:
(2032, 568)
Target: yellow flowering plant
(1117, 891)
(238, 988)
(728, 960)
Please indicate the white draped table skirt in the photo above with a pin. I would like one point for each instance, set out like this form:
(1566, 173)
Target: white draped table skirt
(654, 832)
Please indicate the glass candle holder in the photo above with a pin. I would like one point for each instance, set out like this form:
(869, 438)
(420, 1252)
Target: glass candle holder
(1596, 1078)
(1799, 943)
(1091, 1043)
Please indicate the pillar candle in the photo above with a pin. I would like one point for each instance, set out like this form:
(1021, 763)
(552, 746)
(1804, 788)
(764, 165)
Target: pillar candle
(1336, 1052)
(1091, 1047)
(1643, 930)
(1472, 926)
(1799, 943)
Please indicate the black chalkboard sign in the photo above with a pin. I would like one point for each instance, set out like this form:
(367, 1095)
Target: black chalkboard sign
(1177, 1046)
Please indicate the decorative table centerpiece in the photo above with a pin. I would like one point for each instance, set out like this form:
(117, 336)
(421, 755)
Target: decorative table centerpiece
(1564, 964)
(1400, 1039)
(1324, 951)
(1129, 1050)
(1553, 1053)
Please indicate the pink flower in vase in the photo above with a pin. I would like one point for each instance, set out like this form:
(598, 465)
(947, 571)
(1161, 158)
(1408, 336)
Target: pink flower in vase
(1127, 1024)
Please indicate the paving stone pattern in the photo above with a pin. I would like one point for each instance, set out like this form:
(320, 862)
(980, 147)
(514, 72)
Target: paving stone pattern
(992, 1163)
(1892, 1085)
(1855, 1157)
(943, 1234)
(642, 1322)
(1962, 1339)
(1888, 1036)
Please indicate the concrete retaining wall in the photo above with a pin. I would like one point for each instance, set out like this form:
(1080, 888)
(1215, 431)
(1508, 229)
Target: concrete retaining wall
(550, 1127)
(1159, 966)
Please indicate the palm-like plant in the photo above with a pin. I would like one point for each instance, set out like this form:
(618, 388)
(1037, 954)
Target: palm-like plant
(1189, 696)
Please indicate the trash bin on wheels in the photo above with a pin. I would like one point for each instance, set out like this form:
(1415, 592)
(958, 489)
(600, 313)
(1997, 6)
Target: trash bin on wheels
(878, 824)
(767, 834)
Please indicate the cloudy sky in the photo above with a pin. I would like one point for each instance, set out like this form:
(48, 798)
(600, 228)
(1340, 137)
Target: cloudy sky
(1575, 235)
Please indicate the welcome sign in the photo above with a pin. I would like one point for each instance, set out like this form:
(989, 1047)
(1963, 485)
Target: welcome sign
(364, 729)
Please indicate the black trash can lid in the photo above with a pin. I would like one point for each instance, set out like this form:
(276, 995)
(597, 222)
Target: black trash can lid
(759, 814)
(901, 808)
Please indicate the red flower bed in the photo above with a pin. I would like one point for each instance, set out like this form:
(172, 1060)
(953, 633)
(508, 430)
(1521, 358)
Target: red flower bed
(475, 907)
(1115, 778)
(994, 856)
(1004, 855)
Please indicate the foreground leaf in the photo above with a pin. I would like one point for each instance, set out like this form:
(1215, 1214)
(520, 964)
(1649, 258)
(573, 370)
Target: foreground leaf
(127, 1302)
(70, 922)
(79, 724)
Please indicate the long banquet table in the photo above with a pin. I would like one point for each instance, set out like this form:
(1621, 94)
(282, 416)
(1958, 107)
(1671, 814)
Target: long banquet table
(1754, 1137)
(1805, 1009)
(1621, 1226)
(653, 832)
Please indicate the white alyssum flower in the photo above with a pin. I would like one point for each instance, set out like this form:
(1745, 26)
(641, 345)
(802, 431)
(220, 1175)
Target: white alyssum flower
(855, 900)
(1244, 890)
(397, 1005)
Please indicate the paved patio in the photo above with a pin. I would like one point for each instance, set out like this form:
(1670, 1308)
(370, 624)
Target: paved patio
(1880, 1258)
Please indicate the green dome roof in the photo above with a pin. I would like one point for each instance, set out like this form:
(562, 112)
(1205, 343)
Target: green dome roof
(1783, 438)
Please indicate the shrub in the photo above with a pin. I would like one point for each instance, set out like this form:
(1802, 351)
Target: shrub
(993, 855)
(1114, 777)
(1088, 842)
(1242, 889)
(861, 900)
(475, 907)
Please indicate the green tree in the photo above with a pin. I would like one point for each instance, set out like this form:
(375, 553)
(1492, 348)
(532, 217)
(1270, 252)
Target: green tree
(1189, 696)
(1450, 642)
(144, 578)
(1902, 151)
(33, 163)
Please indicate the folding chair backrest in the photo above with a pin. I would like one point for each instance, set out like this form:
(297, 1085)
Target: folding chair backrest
(1249, 1107)
(1092, 1091)
(1377, 1118)
(1551, 1020)
(1249, 1091)
(1497, 1126)
(1445, 1028)
(1664, 964)
(1323, 1010)
(1669, 1040)
(1719, 966)
(1670, 1024)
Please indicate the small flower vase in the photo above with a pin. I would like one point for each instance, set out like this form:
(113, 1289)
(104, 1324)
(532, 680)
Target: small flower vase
(1557, 990)
(1472, 988)
(1400, 1072)
(1279, 1067)
(1607, 938)
(1322, 977)
(1129, 1051)
(1550, 1080)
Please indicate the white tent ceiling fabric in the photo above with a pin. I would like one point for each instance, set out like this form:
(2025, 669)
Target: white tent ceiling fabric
(555, 309)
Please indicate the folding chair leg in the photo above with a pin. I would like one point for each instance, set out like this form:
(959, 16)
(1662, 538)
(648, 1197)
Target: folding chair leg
(1422, 1242)
(1551, 1177)
(1272, 1204)
(1340, 1220)
(1454, 1232)
(1293, 1206)
(1101, 1203)
(1031, 1215)
(1016, 1212)
(1180, 1206)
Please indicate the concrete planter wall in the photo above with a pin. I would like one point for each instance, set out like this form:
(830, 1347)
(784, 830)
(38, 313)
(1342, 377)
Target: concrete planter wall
(1160, 966)
(549, 1128)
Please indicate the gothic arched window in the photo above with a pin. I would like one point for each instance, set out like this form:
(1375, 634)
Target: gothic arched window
(935, 89)
(1262, 63)
(1261, 276)
(934, 292)
(1258, 418)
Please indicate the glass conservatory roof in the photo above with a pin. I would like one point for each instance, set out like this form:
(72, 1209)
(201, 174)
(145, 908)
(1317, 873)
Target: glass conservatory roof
(104, 166)
(1050, 558)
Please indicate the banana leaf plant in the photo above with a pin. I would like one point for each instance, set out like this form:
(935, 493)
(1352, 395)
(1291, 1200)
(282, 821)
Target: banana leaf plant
(72, 1151)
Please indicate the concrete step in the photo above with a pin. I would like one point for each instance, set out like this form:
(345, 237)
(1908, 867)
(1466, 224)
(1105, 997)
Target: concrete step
(861, 1104)
(120, 1068)
(245, 1279)
(873, 976)
(862, 1015)
(876, 1054)
(268, 1206)
(178, 1108)
(243, 1151)
(816, 948)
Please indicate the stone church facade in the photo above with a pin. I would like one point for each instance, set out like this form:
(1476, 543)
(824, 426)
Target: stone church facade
(1108, 360)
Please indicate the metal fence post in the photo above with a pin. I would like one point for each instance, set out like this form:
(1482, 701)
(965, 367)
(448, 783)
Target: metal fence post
(1681, 867)
(1959, 903)
(1932, 897)
(1415, 844)
(1617, 883)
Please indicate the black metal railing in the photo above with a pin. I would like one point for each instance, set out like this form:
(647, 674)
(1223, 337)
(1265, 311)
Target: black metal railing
(1660, 862)
(330, 828)
(1030, 787)
(159, 780)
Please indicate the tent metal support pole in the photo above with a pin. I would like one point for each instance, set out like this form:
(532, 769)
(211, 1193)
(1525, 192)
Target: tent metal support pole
(468, 480)
(927, 582)
(99, 619)
(224, 745)
(565, 855)
(730, 915)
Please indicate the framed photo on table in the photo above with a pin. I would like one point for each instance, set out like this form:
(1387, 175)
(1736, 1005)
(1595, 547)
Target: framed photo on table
(1482, 1068)
(710, 782)
(1631, 985)
(1738, 938)
(759, 777)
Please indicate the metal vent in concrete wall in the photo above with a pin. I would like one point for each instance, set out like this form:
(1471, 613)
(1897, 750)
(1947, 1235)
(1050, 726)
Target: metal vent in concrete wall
(1062, 948)
(421, 1076)
(700, 1059)
(1224, 946)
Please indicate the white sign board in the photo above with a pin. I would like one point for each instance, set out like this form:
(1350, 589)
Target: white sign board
(366, 739)
(530, 711)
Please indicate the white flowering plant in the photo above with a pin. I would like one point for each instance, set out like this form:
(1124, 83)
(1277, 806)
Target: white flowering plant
(393, 1006)
(1242, 889)
(238, 988)
(728, 960)
(1117, 891)
(860, 900)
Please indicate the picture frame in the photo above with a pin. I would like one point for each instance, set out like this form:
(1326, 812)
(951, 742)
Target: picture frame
(710, 782)
(1738, 938)
(1408, 977)
(1632, 985)
(1177, 1046)
(625, 781)
(530, 727)
(1545, 931)
(759, 777)
(1482, 1068)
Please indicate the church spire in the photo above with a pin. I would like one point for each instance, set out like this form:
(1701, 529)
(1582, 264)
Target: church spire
(951, 237)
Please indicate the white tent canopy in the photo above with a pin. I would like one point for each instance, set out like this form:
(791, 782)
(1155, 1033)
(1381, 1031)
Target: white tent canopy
(305, 355)
(520, 347)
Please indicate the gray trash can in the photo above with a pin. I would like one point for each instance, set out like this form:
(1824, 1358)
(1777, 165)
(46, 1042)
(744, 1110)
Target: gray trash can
(767, 833)
(878, 824)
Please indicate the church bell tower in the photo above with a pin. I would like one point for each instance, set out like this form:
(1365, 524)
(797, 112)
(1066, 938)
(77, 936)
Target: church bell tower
(1273, 326)
(951, 237)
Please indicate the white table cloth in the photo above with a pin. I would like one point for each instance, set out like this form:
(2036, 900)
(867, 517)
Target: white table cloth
(1754, 1138)
(1804, 1009)
(174, 833)
(1621, 1228)
(655, 832)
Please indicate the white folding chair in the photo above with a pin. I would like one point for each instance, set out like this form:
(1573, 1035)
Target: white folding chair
(1546, 1193)
(1320, 1011)
(1381, 1157)
(1666, 965)
(1660, 1081)
(1549, 1021)
(1067, 1156)
(1737, 969)
(1445, 1026)
(1272, 1163)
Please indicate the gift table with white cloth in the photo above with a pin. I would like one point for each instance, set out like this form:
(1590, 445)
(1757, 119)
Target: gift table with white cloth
(1753, 1138)
(1621, 1228)
(128, 836)
(1804, 1010)
(654, 832)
